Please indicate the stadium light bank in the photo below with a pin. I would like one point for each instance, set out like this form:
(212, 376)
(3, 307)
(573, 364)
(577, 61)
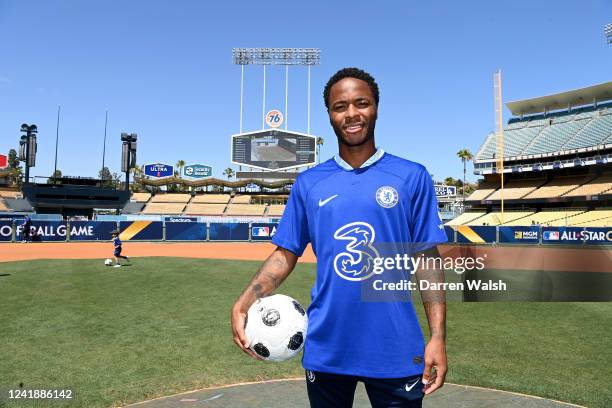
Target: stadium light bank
(608, 33)
(275, 56)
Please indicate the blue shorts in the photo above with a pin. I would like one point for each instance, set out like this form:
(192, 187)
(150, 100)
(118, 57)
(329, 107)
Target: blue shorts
(338, 391)
(117, 251)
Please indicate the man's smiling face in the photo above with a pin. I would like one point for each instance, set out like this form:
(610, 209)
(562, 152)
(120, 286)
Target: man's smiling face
(352, 111)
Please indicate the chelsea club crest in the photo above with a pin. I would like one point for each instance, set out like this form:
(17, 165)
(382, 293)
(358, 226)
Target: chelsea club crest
(387, 196)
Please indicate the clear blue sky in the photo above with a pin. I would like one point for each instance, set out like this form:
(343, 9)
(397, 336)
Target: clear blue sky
(164, 70)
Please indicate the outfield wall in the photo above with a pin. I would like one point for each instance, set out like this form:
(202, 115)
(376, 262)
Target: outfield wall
(183, 229)
(193, 229)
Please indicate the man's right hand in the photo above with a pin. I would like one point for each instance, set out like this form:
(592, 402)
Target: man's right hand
(272, 273)
(239, 312)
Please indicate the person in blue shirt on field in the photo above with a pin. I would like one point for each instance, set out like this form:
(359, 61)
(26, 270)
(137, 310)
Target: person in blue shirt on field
(352, 209)
(117, 250)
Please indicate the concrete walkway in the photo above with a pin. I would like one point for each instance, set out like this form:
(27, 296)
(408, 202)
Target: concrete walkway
(292, 394)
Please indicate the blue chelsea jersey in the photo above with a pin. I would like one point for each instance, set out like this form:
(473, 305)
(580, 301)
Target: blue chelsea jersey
(343, 211)
(117, 242)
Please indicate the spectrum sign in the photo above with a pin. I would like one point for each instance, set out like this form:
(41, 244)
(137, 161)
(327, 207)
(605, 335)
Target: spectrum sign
(197, 171)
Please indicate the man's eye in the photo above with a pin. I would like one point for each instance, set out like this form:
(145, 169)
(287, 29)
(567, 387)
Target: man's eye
(363, 104)
(339, 108)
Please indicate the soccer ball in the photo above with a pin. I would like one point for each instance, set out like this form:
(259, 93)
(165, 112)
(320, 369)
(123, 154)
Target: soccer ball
(108, 262)
(276, 327)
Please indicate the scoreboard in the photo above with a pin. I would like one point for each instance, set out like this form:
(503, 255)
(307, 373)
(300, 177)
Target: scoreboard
(273, 149)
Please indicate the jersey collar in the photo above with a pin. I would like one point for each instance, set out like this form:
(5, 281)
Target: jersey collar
(373, 159)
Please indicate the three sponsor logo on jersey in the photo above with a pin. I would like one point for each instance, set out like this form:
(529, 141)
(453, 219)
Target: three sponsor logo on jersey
(357, 261)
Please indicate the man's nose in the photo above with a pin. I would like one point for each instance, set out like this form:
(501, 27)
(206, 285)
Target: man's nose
(351, 111)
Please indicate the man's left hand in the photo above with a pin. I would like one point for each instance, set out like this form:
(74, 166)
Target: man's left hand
(435, 357)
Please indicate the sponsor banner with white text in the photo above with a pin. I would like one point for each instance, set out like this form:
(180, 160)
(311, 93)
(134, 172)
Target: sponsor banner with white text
(6, 231)
(577, 235)
(91, 230)
(41, 231)
(263, 231)
(519, 234)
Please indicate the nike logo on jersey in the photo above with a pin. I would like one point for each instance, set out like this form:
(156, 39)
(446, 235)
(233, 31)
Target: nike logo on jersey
(327, 200)
(412, 386)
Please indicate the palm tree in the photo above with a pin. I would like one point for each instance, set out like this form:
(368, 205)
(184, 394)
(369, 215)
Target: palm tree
(465, 155)
(137, 177)
(320, 142)
(228, 172)
(180, 164)
(449, 181)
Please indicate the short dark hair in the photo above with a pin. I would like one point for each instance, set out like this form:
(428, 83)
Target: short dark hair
(351, 73)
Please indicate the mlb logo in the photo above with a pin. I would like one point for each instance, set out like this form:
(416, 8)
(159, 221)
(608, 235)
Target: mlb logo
(518, 234)
(260, 232)
(551, 235)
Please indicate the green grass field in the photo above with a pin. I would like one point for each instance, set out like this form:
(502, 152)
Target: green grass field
(161, 326)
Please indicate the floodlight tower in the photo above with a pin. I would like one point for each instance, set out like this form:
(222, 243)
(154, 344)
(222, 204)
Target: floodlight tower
(27, 148)
(608, 33)
(128, 155)
(275, 56)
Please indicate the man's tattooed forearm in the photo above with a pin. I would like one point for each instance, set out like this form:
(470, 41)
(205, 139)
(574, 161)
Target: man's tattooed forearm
(258, 290)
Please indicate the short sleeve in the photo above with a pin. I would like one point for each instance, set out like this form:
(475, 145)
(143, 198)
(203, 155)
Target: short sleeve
(427, 228)
(292, 232)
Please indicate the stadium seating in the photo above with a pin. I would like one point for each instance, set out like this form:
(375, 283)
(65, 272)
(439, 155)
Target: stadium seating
(597, 218)
(170, 198)
(600, 185)
(205, 209)
(11, 194)
(557, 132)
(516, 189)
(495, 218)
(18, 204)
(132, 208)
(163, 208)
(517, 140)
(594, 133)
(465, 218)
(547, 218)
(211, 199)
(276, 210)
(553, 137)
(556, 187)
(3, 206)
(245, 209)
(483, 191)
(241, 199)
(559, 218)
(141, 197)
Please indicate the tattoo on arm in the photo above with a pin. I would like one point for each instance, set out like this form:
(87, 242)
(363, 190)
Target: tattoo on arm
(270, 275)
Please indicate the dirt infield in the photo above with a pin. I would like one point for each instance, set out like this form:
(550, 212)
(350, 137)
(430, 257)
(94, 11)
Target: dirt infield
(498, 257)
(92, 250)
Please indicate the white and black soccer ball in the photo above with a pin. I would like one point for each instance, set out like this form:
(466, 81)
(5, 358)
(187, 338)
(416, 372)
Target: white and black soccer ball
(276, 327)
(108, 262)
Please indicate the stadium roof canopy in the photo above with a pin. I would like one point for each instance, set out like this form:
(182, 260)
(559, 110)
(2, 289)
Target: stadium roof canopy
(564, 100)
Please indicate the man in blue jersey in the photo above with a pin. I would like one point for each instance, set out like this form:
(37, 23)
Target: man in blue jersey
(350, 208)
